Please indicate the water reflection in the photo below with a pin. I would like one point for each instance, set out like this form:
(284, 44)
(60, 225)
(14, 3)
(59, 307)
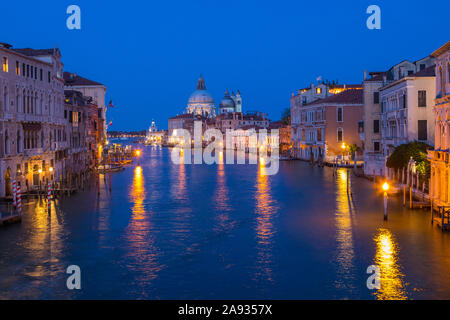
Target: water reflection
(141, 250)
(182, 210)
(44, 246)
(265, 230)
(386, 258)
(221, 198)
(345, 252)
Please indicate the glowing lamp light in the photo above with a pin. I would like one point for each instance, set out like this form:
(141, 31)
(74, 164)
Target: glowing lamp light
(50, 169)
(343, 146)
(138, 152)
(40, 170)
(385, 186)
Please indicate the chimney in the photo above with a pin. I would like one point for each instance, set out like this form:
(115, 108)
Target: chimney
(365, 74)
(384, 80)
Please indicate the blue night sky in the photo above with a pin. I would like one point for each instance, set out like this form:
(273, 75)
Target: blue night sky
(149, 54)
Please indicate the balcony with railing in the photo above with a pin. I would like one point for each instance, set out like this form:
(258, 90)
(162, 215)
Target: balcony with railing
(438, 156)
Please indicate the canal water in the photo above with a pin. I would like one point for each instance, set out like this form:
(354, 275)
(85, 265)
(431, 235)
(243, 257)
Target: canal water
(171, 231)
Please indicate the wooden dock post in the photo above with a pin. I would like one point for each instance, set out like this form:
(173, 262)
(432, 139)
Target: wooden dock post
(374, 179)
(410, 197)
(404, 195)
(385, 206)
(14, 190)
(49, 198)
(432, 213)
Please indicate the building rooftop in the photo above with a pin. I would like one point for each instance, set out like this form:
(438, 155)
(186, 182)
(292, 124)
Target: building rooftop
(37, 52)
(72, 79)
(351, 96)
(188, 116)
(441, 50)
(427, 72)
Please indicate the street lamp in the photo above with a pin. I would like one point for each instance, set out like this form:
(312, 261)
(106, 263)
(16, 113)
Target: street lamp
(138, 153)
(385, 189)
(343, 147)
(51, 173)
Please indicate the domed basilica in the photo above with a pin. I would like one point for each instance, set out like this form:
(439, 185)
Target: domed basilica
(201, 102)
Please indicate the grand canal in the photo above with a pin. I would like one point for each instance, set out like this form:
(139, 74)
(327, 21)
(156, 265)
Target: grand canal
(171, 231)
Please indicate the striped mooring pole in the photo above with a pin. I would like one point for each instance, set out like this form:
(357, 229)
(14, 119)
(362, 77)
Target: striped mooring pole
(49, 198)
(14, 190)
(19, 200)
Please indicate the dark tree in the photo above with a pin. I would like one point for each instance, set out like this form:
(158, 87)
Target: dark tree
(286, 116)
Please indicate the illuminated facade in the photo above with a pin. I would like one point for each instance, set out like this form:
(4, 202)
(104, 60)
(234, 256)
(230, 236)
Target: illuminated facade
(440, 156)
(388, 122)
(320, 127)
(201, 101)
(89, 88)
(31, 117)
(300, 99)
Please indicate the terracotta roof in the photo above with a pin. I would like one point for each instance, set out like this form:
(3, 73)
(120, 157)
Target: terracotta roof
(378, 76)
(72, 79)
(352, 96)
(442, 49)
(277, 124)
(427, 72)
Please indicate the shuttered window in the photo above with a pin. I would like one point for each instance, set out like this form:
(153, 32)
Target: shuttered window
(422, 130)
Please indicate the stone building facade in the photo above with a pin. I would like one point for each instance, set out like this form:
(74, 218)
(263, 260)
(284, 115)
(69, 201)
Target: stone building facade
(31, 117)
(400, 76)
(45, 132)
(324, 124)
(304, 97)
(440, 156)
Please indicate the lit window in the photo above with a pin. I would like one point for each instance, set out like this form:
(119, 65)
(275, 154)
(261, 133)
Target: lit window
(318, 90)
(17, 68)
(5, 64)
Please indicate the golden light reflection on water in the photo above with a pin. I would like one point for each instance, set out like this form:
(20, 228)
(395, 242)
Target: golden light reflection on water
(265, 209)
(386, 258)
(345, 252)
(142, 250)
(45, 243)
(137, 193)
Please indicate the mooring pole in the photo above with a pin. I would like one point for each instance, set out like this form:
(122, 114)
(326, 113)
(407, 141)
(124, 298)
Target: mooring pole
(385, 205)
(49, 198)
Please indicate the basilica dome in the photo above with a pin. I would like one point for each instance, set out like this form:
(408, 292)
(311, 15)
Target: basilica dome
(201, 101)
(201, 95)
(227, 104)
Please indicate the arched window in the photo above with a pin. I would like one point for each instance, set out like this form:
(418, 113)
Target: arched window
(24, 101)
(19, 142)
(448, 72)
(17, 100)
(6, 142)
(28, 102)
(36, 100)
(5, 99)
(41, 108)
(442, 81)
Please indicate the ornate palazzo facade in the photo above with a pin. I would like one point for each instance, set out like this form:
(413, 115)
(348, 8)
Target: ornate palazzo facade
(440, 156)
